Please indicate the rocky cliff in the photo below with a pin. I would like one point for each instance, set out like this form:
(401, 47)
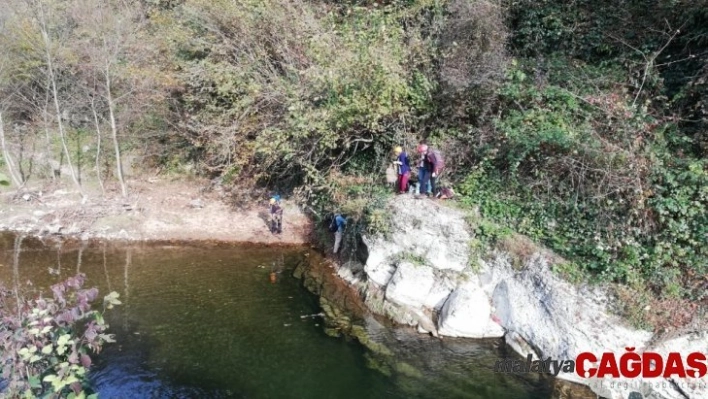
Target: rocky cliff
(423, 274)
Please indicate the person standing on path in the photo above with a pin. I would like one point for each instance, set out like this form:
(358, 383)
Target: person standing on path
(434, 164)
(423, 175)
(437, 165)
(403, 168)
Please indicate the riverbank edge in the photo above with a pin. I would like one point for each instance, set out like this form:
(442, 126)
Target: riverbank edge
(156, 210)
(84, 238)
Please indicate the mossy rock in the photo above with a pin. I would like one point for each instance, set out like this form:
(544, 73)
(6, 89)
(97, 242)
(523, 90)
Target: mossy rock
(333, 332)
(328, 309)
(359, 332)
(312, 285)
(300, 269)
(378, 365)
(408, 370)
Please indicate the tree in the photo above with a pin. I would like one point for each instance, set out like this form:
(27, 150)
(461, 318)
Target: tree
(7, 158)
(9, 162)
(33, 38)
(98, 144)
(42, 15)
(110, 34)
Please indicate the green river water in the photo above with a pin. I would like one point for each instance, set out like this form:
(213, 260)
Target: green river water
(204, 321)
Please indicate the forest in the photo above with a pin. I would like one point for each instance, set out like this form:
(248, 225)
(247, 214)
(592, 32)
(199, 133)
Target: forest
(582, 125)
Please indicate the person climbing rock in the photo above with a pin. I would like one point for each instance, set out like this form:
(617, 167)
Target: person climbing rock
(403, 169)
(276, 216)
(337, 226)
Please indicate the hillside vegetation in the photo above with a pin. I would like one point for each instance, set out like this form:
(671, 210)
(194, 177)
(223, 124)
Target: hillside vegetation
(582, 124)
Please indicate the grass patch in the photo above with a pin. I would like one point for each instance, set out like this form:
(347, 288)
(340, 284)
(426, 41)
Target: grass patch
(406, 256)
(519, 248)
(634, 304)
(569, 271)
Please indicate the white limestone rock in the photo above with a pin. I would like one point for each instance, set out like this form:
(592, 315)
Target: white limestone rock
(410, 285)
(467, 313)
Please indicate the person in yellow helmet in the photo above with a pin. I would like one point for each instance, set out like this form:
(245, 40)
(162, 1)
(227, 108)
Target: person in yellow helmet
(276, 216)
(404, 169)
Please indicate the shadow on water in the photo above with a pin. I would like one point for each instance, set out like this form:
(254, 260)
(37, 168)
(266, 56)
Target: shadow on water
(205, 321)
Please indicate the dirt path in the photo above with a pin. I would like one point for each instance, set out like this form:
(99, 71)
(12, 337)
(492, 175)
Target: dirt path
(157, 209)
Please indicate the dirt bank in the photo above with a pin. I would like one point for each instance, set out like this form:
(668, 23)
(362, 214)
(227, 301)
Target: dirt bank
(156, 209)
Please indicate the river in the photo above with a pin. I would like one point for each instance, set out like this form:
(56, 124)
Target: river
(206, 321)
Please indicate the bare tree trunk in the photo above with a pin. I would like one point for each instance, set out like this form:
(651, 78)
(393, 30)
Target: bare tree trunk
(62, 135)
(114, 132)
(55, 95)
(17, 181)
(48, 138)
(98, 147)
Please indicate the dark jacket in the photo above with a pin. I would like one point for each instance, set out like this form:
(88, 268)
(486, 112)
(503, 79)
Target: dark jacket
(434, 161)
(405, 165)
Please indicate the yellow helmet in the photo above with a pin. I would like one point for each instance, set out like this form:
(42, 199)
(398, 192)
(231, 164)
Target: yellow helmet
(272, 201)
(398, 150)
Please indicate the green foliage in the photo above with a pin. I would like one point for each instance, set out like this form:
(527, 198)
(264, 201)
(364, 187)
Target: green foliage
(679, 201)
(634, 304)
(378, 222)
(46, 342)
(580, 230)
(300, 88)
(569, 271)
(366, 206)
(593, 176)
(660, 46)
(489, 232)
(360, 199)
(585, 29)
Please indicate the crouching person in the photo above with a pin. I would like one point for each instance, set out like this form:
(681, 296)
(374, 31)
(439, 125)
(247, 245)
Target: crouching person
(276, 216)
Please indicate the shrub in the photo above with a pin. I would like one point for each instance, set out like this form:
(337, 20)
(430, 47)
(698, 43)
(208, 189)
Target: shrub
(45, 343)
(606, 183)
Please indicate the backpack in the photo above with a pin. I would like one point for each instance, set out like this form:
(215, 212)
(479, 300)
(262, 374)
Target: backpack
(446, 193)
(437, 156)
